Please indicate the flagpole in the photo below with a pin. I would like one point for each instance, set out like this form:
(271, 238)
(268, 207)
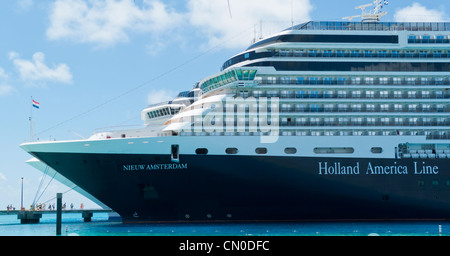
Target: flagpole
(31, 120)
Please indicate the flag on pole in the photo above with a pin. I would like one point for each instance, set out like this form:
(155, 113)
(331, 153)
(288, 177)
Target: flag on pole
(35, 103)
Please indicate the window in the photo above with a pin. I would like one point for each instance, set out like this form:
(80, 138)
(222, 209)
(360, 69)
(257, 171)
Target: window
(314, 94)
(342, 94)
(286, 94)
(384, 94)
(342, 107)
(356, 80)
(398, 107)
(313, 80)
(356, 107)
(285, 79)
(340, 53)
(370, 107)
(397, 80)
(328, 94)
(354, 53)
(356, 120)
(370, 121)
(342, 120)
(314, 120)
(413, 120)
(329, 121)
(314, 107)
(426, 120)
(423, 54)
(290, 150)
(383, 80)
(384, 107)
(271, 80)
(201, 151)
(261, 150)
(257, 94)
(328, 80)
(369, 80)
(341, 80)
(426, 94)
(411, 80)
(370, 94)
(412, 107)
(385, 120)
(175, 153)
(231, 151)
(312, 53)
(376, 150)
(300, 107)
(425, 80)
(327, 53)
(398, 94)
(328, 107)
(412, 94)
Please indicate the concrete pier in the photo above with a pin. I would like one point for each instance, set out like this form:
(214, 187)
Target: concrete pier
(33, 217)
(29, 217)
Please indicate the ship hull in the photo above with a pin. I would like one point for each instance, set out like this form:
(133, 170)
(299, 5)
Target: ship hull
(153, 188)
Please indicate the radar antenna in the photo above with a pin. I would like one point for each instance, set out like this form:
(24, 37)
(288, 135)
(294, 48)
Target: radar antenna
(373, 15)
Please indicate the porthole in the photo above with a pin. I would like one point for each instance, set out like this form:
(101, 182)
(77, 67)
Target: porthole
(201, 151)
(231, 151)
(261, 150)
(290, 150)
(376, 150)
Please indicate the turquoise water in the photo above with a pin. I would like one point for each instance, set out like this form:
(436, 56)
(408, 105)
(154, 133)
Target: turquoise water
(73, 225)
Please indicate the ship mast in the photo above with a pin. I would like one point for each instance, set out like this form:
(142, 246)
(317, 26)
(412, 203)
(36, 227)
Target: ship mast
(373, 15)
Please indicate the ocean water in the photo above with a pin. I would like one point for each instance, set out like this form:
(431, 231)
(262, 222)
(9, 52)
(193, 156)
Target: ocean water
(73, 225)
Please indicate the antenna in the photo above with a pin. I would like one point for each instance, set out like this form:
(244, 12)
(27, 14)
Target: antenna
(229, 8)
(370, 16)
(292, 14)
(349, 18)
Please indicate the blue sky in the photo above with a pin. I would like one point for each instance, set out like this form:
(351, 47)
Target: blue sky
(94, 64)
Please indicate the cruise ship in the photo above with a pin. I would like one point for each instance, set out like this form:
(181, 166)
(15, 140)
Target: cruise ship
(326, 120)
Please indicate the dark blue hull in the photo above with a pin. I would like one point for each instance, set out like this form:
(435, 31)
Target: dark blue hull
(148, 188)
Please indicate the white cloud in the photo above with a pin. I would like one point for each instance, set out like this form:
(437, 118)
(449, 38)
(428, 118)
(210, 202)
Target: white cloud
(36, 70)
(3, 73)
(5, 88)
(419, 13)
(214, 20)
(25, 4)
(107, 22)
(157, 96)
(3, 177)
